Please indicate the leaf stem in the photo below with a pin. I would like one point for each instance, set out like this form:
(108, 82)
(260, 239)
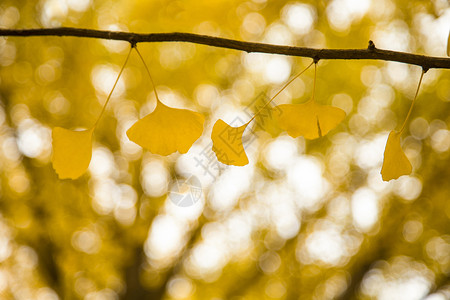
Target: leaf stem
(110, 93)
(282, 89)
(148, 72)
(412, 104)
(314, 83)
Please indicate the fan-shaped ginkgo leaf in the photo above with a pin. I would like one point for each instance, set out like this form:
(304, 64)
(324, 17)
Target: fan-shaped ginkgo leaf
(395, 162)
(167, 130)
(72, 152)
(227, 143)
(309, 119)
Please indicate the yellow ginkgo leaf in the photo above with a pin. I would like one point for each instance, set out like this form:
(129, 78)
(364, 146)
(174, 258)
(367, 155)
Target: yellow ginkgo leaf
(309, 119)
(227, 143)
(395, 162)
(72, 152)
(167, 130)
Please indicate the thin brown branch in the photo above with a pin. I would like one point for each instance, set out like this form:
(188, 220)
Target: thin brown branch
(426, 62)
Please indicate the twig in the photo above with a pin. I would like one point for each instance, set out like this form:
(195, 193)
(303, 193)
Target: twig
(426, 62)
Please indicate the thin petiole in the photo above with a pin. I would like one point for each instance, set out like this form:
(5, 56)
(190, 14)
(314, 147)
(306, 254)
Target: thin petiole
(282, 89)
(412, 104)
(114, 86)
(314, 82)
(148, 72)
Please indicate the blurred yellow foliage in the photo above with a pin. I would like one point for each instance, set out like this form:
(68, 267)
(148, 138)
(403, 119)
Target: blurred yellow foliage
(308, 218)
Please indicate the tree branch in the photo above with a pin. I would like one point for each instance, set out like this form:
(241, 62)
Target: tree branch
(426, 62)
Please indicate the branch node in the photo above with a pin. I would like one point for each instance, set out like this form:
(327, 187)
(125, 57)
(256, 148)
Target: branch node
(132, 41)
(425, 69)
(371, 45)
(316, 59)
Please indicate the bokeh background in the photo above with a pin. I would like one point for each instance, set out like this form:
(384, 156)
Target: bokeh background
(304, 220)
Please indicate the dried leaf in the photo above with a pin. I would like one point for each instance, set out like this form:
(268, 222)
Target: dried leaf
(395, 162)
(167, 130)
(227, 143)
(309, 119)
(72, 152)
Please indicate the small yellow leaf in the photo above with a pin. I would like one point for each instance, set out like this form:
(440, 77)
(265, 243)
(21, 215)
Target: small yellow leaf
(309, 119)
(72, 151)
(227, 143)
(167, 130)
(395, 162)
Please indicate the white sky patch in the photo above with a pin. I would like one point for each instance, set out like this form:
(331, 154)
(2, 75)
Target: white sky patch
(277, 70)
(342, 13)
(299, 17)
(253, 25)
(398, 73)
(364, 209)
(286, 222)
(33, 138)
(229, 187)
(199, 161)
(408, 187)
(105, 198)
(278, 34)
(53, 11)
(211, 255)
(207, 260)
(103, 78)
(117, 199)
(79, 5)
(155, 178)
(392, 36)
(440, 140)
(170, 98)
(280, 152)
(400, 279)
(129, 149)
(206, 95)
(412, 288)
(166, 237)
(255, 62)
(304, 176)
(376, 183)
(221, 242)
(434, 32)
(189, 213)
(370, 153)
(326, 244)
(125, 209)
(239, 230)
(102, 162)
(269, 196)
